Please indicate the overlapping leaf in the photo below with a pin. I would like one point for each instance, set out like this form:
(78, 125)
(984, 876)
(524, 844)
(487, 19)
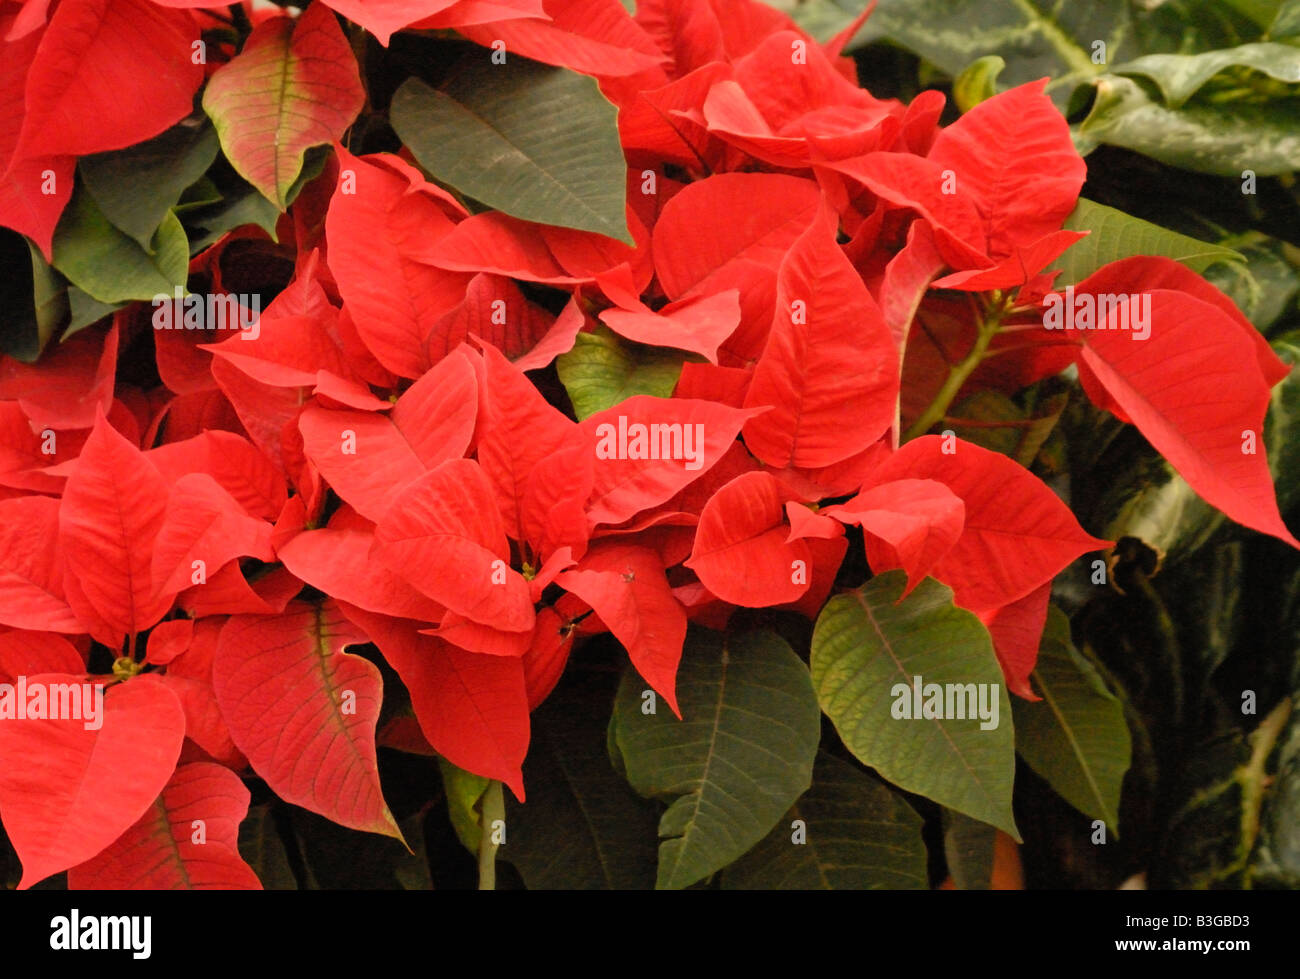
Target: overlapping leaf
(741, 754)
(873, 654)
(549, 135)
(186, 841)
(304, 711)
(70, 799)
(294, 85)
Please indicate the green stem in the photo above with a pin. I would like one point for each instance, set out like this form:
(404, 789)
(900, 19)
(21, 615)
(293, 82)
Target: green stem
(492, 809)
(958, 374)
(1253, 776)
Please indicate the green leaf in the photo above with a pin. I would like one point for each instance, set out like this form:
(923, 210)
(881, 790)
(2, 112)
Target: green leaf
(582, 828)
(1260, 12)
(1003, 426)
(603, 370)
(210, 222)
(1222, 137)
(977, 82)
(1208, 598)
(739, 758)
(1210, 837)
(1266, 286)
(1117, 235)
(33, 297)
(1276, 860)
(463, 790)
(1180, 75)
(111, 266)
(263, 850)
(137, 186)
(1036, 37)
(867, 649)
(240, 203)
(536, 142)
(201, 193)
(86, 311)
(1075, 737)
(1147, 499)
(857, 835)
(952, 33)
(968, 848)
(1282, 430)
(1286, 24)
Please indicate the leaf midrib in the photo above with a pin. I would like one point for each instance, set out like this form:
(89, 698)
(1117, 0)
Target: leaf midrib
(1075, 746)
(889, 649)
(569, 194)
(698, 797)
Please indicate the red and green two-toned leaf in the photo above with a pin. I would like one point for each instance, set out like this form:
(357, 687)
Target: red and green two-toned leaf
(293, 86)
(304, 711)
(187, 840)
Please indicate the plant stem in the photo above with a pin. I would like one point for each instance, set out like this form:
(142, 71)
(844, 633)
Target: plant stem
(957, 376)
(1253, 776)
(492, 809)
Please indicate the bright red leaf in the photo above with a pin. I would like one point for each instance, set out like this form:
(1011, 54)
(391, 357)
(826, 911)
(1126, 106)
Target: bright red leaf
(78, 789)
(112, 510)
(742, 552)
(108, 74)
(830, 368)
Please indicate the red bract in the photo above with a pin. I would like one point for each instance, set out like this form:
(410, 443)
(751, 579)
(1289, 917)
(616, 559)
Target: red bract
(160, 851)
(231, 532)
(107, 74)
(67, 809)
(304, 711)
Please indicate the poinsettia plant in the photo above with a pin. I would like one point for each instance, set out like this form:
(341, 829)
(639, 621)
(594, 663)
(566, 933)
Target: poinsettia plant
(370, 361)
